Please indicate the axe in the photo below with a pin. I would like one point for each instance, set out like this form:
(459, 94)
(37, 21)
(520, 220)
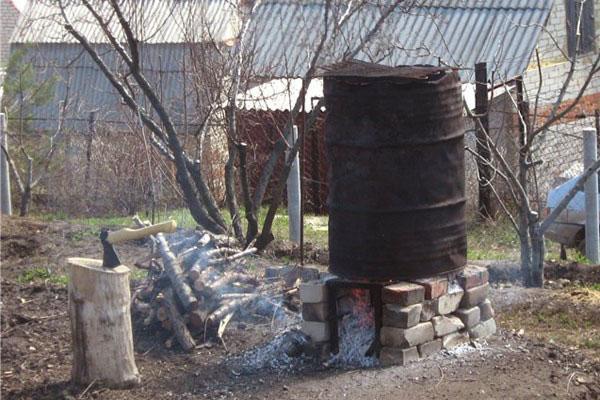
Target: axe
(108, 238)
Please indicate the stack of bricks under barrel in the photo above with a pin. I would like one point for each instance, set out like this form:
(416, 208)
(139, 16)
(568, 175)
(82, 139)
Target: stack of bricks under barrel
(418, 318)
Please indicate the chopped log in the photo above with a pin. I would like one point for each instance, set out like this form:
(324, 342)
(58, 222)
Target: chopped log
(221, 251)
(162, 314)
(197, 318)
(180, 330)
(230, 278)
(194, 273)
(101, 324)
(167, 325)
(176, 275)
(234, 257)
(151, 318)
(140, 307)
(199, 286)
(229, 307)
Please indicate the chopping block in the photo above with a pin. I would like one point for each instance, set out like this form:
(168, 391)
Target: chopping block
(99, 310)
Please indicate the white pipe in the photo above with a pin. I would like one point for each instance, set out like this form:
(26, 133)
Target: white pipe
(592, 240)
(293, 191)
(5, 200)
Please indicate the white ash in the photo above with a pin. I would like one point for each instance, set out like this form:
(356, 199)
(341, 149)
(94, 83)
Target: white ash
(356, 333)
(281, 353)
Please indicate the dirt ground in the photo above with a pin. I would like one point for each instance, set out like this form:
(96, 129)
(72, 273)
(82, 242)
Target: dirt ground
(520, 362)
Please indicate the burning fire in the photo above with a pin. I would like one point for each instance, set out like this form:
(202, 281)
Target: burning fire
(356, 330)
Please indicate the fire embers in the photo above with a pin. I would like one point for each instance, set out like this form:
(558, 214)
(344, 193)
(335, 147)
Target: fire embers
(356, 330)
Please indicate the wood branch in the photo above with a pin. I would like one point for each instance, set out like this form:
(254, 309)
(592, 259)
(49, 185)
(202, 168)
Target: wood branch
(185, 339)
(176, 275)
(229, 279)
(234, 257)
(228, 308)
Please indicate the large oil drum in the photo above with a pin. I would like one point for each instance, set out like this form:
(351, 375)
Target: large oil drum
(395, 143)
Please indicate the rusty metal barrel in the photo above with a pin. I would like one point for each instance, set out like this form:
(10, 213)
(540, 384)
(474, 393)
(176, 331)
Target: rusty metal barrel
(395, 147)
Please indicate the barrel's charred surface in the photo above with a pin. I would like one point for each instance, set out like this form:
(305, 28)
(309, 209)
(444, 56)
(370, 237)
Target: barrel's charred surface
(396, 152)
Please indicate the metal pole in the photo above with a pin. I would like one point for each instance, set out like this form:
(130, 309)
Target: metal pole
(592, 240)
(5, 200)
(293, 192)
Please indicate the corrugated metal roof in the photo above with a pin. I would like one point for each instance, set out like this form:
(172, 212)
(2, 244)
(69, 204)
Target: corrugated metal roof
(284, 36)
(153, 21)
(458, 33)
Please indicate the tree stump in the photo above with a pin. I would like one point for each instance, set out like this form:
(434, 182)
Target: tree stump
(99, 309)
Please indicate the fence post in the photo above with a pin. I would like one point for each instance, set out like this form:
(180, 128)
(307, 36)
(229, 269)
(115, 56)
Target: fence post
(5, 200)
(591, 197)
(293, 191)
(485, 203)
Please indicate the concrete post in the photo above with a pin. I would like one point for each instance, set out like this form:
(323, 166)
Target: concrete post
(5, 200)
(293, 191)
(592, 240)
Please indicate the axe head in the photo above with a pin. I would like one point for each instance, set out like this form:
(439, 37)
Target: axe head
(110, 258)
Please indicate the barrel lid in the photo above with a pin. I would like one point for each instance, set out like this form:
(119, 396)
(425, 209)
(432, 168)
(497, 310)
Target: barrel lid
(357, 68)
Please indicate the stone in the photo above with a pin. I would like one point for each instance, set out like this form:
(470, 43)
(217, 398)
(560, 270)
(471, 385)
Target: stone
(403, 293)
(455, 339)
(428, 310)
(443, 326)
(434, 287)
(278, 271)
(429, 348)
(486, 310)
(315, 311)
(313, 292)
(395, 356)
(398, 337)
(483, 329)
(473, 276)
(449, 303)
(469, 316)
(474, 296)
(302, 273)
(401, 317)
(318, 331)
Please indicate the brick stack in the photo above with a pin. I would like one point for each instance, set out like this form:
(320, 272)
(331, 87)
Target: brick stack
(420, 318)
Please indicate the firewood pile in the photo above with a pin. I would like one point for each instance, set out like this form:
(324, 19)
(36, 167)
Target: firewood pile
(196, 282)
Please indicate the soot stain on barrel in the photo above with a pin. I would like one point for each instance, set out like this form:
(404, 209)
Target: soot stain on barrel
(395, 143)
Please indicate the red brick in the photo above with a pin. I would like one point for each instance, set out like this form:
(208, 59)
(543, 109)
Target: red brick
(473, 276)
(434, 287)
(403, 293)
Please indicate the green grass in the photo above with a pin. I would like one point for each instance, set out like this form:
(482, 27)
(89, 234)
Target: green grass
(486, 241)
(42, 274)
(315, 226)
(492, 241)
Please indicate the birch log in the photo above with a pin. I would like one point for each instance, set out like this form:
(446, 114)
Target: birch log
(99, 304)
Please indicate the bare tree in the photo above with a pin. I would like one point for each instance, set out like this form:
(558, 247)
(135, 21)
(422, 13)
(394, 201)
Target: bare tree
(218, 74)
(527, 219)
(29, 162)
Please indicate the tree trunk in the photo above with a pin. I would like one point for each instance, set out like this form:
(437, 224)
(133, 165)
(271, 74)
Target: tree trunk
(99, 304)
(25, 201)
(525, 254)
(537, 257)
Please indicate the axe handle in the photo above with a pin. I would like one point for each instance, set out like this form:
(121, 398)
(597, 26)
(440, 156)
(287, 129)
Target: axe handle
(132, 234)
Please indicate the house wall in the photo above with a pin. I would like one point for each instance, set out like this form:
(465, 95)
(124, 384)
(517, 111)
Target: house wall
(8, 20)
(552, 48)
